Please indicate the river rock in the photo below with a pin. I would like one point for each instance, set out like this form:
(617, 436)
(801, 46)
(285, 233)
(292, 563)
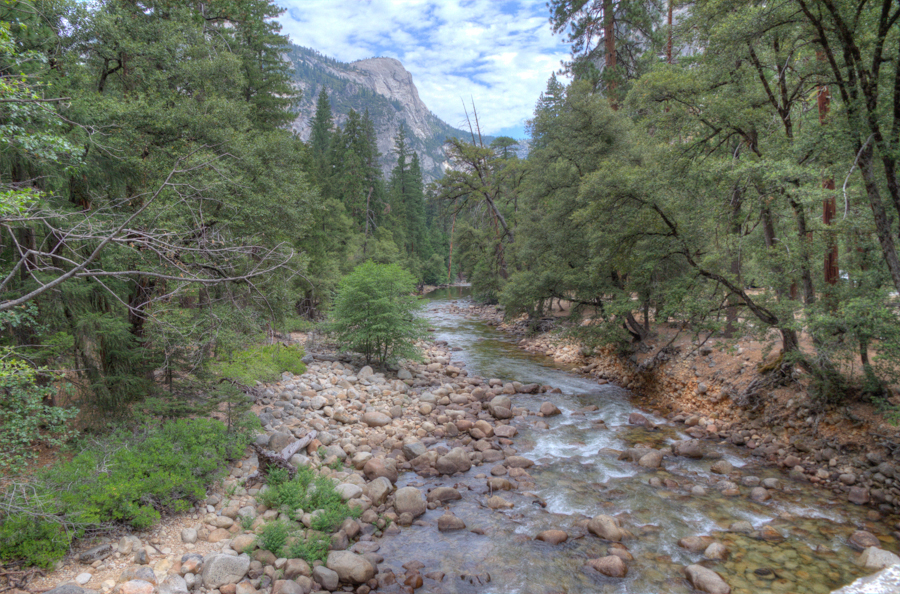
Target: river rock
(688, 448)
(326, 577)
(638, 419)
(507, 431)
(652, 459)
(413, 449)
(219, 569)
(135, 587)
(377, 467)
(457, 460)
(443, 495)
(497, 502)
(518, 462)
(548, 409)
(69, 589)
(376, 419)
(350, 567)
(409, 500)
(553, 537)
(279, 441)
(876, 558)
(173, 584)
(706, 580)
(348, 491)
(449, 522)
(760, 494)
(288, 587)
(721, 467)
(861, 540)
(886, 581)
(294, 568)
(606, 527)
(611, 566)
(858, 495)
(696, 544)
(137, 572)
(378, 490)
(716, 551)
(243, 543)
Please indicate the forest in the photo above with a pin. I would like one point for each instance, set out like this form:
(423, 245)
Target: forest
(722, 168)
(725, 167)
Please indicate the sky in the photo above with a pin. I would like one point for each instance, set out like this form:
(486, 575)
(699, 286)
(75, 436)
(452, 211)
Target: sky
(496, 53)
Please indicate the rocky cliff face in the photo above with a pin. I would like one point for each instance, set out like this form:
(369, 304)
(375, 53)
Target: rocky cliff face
(386, 89)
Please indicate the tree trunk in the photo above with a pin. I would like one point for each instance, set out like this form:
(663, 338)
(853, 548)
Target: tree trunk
(609, 37)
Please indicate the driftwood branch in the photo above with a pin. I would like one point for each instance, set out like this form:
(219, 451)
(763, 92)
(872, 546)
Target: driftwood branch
(269, 459)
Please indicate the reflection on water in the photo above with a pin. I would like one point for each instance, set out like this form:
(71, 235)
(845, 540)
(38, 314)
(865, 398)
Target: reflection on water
(576, 478)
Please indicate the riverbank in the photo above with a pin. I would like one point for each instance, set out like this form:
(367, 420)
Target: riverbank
(849, 449)
(364, 429)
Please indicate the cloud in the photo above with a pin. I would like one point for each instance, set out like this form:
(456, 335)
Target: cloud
(497, 54)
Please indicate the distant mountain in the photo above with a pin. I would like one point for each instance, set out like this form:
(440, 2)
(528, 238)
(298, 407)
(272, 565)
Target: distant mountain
(386, 89)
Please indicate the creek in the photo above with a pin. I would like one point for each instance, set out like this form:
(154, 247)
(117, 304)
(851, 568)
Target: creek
(798, 541)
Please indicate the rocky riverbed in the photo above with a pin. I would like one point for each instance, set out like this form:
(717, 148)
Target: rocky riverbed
(470, 484)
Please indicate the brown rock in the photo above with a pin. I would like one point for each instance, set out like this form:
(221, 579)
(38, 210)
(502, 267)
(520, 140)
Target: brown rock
(448, 522)
(696, 544)
(518, 462)
(606, 527)
(861, 540)
(218, 535)
(858, 495)
(548, 409)
(553, 537)
(134, 587)
(377, 467)
(443, 495)
(611, 566)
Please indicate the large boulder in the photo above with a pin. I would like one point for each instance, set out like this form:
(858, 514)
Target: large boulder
(409, 500)
(328, 578)
(456, 460)
(294, 568)
(350, 567)
(706, 580)
(606, 527)
(219, 569)
(875, 558)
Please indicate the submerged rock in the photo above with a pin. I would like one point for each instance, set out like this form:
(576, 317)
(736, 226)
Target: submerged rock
(706, 580)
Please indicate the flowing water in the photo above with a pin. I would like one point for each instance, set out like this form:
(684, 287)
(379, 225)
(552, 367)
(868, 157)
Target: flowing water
(576, 480)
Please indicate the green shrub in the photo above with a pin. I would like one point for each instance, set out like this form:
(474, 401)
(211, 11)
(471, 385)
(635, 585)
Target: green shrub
(274, 536)
(39, 541)
(310, 493)
(375, 313)
(314, 547)
(24, 419)
(263, 363)
(126, 478)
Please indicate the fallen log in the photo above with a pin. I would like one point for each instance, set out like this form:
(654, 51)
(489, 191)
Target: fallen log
(269, 459)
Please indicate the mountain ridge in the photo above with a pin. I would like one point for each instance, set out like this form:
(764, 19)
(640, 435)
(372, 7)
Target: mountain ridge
(384, 87)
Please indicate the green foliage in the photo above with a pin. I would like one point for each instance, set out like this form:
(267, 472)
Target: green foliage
(263, 363)
(313, 494)
(274, 535)
(375, 313)
(24, 418)
(37, 541)
(314, 546)
(130, 477)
